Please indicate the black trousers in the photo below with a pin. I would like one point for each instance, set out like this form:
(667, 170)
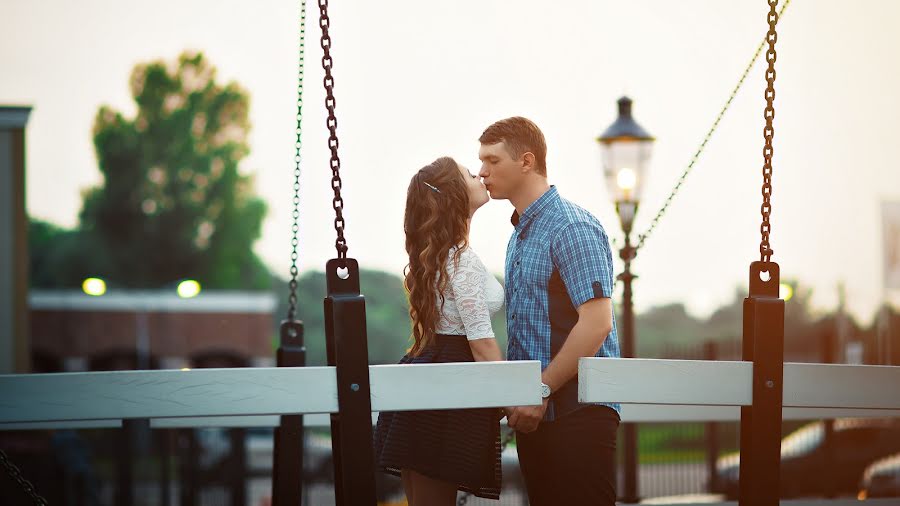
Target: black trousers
(571, 460)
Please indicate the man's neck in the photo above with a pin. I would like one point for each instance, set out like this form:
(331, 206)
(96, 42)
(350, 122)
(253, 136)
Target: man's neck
(529, 193)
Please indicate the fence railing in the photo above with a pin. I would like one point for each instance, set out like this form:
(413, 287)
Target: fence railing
(651, 390)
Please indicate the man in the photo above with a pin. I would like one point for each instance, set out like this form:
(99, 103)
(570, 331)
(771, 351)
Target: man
(558, 286)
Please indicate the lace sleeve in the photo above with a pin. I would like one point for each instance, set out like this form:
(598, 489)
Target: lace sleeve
(468, 285)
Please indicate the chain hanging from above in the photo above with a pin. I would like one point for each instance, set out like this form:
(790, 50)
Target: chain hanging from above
(24, 484)
(340, 243)
(295, 226)
(709, 134)
(765, 229)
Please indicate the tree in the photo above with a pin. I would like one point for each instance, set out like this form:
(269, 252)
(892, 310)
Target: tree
(172, 203)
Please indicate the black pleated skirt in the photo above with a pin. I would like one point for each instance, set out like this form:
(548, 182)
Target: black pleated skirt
(460, 446)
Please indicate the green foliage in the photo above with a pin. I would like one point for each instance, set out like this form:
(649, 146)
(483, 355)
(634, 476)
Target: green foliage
(172, 203)
(387, 317)
(671, 327)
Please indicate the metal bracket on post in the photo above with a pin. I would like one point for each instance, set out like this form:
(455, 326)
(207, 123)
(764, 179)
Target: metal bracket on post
(763, 344)
(351, 427)
(287, 468)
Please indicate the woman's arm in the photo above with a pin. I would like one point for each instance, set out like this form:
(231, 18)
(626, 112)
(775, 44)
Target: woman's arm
(468, 285)
(485, 350)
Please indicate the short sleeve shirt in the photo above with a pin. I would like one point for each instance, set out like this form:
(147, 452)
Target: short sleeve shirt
(557, 259)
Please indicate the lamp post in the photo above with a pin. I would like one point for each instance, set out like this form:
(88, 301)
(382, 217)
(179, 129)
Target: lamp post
(625, 149)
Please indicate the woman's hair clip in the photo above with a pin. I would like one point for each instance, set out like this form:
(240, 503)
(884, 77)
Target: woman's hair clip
(434, 188)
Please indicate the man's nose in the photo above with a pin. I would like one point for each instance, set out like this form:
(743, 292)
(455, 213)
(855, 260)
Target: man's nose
(483, 173)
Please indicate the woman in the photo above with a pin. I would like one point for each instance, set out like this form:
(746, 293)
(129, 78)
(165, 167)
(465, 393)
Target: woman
(451, 299)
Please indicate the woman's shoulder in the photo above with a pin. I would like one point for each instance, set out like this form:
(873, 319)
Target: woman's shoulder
(467, 257)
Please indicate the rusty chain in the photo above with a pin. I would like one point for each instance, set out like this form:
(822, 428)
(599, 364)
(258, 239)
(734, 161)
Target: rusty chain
(340, 243)
(16, 475)
(765, 229)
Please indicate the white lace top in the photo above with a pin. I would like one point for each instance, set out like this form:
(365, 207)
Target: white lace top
(471, 297)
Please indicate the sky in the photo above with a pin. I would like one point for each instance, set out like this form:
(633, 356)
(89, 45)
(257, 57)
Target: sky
(418, 80)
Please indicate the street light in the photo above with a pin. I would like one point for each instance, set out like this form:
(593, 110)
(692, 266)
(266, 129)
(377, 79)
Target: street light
(625, 148)
(94, 286)
(188, 288)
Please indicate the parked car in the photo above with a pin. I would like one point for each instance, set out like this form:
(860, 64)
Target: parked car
(881, 479)
(809, 463)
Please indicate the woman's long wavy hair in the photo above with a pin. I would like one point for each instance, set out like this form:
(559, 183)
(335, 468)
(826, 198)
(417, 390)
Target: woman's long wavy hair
(436, 220)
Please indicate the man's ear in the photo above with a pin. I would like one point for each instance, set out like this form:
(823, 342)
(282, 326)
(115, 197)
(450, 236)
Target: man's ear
(528, 162)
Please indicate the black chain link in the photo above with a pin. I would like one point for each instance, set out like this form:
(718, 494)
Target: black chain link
(295, 227)
(507, 438)
(338, 203)
(16, 475)
(715, 125)
(765, 250)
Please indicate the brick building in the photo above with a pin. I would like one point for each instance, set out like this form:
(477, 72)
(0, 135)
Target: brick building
(73, 330)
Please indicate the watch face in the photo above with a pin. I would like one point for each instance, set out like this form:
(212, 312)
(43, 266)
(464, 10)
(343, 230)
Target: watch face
(545, 390)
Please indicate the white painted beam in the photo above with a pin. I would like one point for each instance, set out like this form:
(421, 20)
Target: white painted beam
(723, 383)
(67, 424)
(663, 501)
(652, 381)
(839, 385)
(450, 386)
(659, 413)
(260, 391)
(167, 393)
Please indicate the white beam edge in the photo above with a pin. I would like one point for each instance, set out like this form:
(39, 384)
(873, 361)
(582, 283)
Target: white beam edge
(660, 413)
(411, 387)
(314, 420)
(841, 385)
(60, 425)
(786, 502)
(635, 413)
(167, 393)
(260, 391)
(655, 381)
(728, 383)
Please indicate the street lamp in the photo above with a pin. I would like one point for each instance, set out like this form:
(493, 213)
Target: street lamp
(625, 148)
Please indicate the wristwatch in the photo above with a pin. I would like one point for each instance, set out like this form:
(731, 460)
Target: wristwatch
(545, 390)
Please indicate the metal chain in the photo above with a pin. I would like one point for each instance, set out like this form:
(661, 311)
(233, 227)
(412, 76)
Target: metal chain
(765, 250)
(507, 438)
(16, 475)
(715, 125)
(338, 203)
(295, 227)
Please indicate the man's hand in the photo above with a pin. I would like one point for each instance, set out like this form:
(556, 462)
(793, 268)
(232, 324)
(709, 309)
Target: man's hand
(526, 418)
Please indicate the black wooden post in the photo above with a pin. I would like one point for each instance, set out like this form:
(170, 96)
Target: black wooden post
(164, 453)
(763, 344)
(351, 427)
(188, 467)
(125, 457)
(710, 352)
(829, 354)
(238, 467)
(287, 468)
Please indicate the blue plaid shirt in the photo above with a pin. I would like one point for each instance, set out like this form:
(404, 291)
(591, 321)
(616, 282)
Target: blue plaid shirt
(557, 259)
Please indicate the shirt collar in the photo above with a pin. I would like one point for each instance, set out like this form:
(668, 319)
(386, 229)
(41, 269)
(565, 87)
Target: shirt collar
(543, 202)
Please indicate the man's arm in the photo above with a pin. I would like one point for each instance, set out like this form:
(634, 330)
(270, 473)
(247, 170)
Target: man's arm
(581, 253)
(585, 340)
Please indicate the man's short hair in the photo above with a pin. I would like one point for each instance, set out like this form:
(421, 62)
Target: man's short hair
(520, 135)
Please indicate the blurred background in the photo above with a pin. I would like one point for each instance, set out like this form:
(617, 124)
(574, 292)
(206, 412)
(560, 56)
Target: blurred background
(146, 164)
